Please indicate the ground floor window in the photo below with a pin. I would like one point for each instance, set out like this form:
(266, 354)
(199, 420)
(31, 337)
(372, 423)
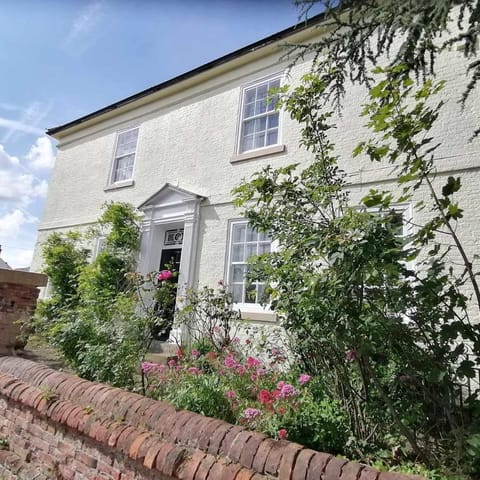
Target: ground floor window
(244, 243)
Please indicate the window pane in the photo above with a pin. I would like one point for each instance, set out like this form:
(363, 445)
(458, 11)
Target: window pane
(273, 120)
(239, 232)
(248, 127)
(262, 91)
(261, 294)
(260, 124)
(238, 253)
(250, 250)
(239, 273)
(247, 143)
(263, 248)
(260, 106)
(252, 235)
(249, 110)
(237, 293)
(259, 140)
(251, 293)
(123, 168)
(272, 137)
(250, 95)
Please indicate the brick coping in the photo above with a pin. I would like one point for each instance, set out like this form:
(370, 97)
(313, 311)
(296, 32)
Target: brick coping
(178, 444)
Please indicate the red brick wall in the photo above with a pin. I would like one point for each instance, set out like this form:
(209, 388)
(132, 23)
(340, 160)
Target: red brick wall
(18, 297)
(60, 425)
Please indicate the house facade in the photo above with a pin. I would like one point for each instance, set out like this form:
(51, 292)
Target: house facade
(178, 149)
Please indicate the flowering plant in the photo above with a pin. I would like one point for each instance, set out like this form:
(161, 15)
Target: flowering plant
(250, 391)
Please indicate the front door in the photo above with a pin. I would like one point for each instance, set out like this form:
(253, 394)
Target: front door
(170, 259)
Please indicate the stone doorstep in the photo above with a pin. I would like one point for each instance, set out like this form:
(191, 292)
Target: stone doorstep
(163, 347)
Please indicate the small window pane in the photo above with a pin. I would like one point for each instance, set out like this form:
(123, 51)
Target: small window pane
(247, 143)
(239, 232)
(250, 250)
(259, 140)
(249, 127)
(261, 294)
(250, 95)
(239, 273)
(238, 253)
(260, 106)
(262, 91)
(249, 110)
(237, 293)
(263, 248)
(260, 124)
(272, 137)
(251, 293)
(252, 235)
(273, 120)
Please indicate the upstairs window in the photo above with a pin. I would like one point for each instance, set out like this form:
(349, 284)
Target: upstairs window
(125, 155)
(259, 119)
(245, 242)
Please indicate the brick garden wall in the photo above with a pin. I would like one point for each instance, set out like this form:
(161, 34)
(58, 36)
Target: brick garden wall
(60, 426)
(18, 297)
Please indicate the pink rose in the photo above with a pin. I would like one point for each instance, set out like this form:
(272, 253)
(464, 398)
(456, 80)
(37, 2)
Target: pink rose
(164, 275)
(282, 434)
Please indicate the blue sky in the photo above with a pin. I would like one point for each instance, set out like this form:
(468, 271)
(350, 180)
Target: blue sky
(64, 58)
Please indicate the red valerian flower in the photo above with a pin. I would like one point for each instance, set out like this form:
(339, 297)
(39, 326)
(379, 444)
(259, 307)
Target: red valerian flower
(282, 434)
(265, 397)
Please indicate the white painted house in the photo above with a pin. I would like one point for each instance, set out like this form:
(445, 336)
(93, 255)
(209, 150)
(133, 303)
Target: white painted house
(177, 150)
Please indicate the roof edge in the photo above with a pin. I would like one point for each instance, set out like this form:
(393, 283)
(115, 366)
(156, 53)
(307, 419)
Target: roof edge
(298, 27)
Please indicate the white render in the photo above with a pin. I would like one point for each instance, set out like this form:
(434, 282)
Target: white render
(187, 163)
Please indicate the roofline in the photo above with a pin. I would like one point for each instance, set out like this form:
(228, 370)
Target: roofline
(191, 73)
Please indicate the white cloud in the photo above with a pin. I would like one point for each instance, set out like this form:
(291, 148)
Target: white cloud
(80, 36)
(17, 257)
(12, 222)
(41, 154)
(15, 125)
(18, 185)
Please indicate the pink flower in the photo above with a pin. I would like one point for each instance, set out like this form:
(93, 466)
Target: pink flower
(148, 367)
(231, 394)
(171, 363)
(194, 371)
(288, 391)
(280, 384)
(351, 355)
(304, 378)
(235, 341)
(282, 434)
(230, 362)
(261, 372)
(240, 369)
(253, 362)
(251, 413)
(164, 275)
(194, 353)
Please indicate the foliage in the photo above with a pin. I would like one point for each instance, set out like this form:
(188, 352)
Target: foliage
(363, 33)
(261, 396)
(389, 343)
(107, 330)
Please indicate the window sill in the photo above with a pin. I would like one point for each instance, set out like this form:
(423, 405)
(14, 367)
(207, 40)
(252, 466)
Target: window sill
(115, 186)
(268, 317)
(261, 152)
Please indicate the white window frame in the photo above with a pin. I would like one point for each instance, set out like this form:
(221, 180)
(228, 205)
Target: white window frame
(126, 181)
(243, 307)
(99, 247)
(257, 83)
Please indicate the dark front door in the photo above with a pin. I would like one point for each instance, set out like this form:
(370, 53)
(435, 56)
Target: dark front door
(170, 259)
